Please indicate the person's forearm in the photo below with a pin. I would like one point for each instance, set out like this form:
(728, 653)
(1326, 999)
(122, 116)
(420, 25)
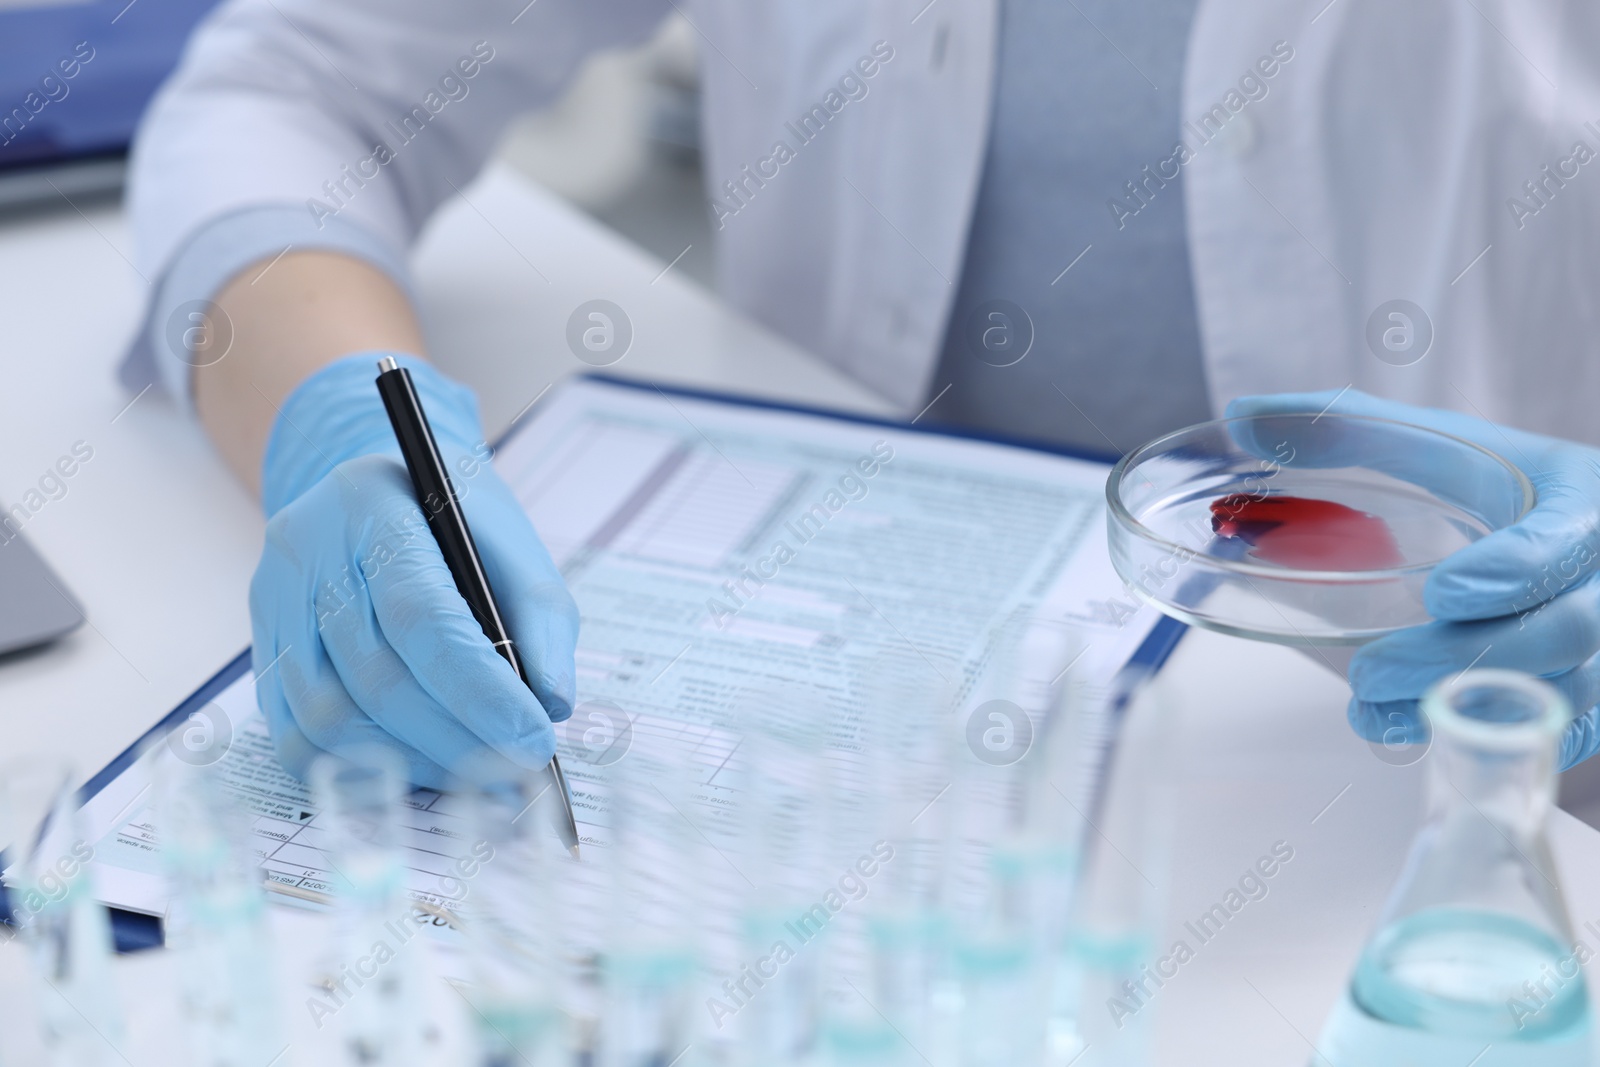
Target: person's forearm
(288, 320)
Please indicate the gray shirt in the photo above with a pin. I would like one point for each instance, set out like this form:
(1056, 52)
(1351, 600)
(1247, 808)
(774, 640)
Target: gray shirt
(1073, 326)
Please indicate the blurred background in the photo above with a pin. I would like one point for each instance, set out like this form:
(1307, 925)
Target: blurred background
(623, 144)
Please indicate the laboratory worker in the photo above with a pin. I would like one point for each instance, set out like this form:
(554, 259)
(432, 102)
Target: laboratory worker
(1082, 222)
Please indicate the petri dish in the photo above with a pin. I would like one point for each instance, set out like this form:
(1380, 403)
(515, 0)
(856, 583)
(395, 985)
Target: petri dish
(1302, 529)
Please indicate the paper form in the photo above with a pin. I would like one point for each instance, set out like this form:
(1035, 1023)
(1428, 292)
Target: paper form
(286, 835)
(717, 551)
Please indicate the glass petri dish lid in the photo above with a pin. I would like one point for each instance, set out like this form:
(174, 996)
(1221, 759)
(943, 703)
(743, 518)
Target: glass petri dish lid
(1302, 529)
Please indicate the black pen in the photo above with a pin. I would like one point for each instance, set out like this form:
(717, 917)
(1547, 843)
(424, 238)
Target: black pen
(442, 508)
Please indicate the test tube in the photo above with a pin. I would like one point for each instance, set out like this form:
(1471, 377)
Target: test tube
(1117, 905)
(853, 1031)
(374, 982)
(784, 920)
(649, 964)
(856, 991)
(67, 932)
(513, 916)
(1036, 862)
(218, 924)
(909, 745)
(992, 867)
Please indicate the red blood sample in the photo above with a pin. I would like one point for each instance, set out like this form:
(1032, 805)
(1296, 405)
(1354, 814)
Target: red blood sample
(1314, 535)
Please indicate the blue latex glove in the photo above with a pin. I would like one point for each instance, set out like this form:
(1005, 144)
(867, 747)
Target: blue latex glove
(1523, 597)
(359, 634)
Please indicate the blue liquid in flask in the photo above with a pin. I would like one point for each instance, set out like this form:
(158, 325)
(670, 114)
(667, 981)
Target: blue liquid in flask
(1449, 987)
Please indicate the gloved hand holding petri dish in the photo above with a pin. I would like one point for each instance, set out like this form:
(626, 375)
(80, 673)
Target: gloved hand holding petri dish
(1422, 541)
(1303, 528)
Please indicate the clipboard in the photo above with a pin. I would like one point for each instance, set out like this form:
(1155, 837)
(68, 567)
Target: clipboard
(134, 931)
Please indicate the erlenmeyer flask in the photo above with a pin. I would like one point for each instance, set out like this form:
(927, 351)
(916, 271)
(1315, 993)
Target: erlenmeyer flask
(1474, 959)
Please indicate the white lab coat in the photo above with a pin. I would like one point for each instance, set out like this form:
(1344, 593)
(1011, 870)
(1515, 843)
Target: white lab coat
(1378, 166)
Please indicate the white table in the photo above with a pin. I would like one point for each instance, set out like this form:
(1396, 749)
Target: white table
(158, 542)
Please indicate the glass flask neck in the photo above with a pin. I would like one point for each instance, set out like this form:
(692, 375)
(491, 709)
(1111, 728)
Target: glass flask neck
(1494, 755)
(1491, 784)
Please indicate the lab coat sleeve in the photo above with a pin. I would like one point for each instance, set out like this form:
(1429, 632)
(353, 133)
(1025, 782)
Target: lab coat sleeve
(335, 124)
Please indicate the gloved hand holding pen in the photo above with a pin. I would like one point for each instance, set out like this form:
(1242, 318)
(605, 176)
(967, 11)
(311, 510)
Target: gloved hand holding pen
(1523, 597)
(359, 633)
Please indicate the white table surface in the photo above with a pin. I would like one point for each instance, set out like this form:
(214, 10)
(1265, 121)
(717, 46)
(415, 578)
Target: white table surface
(158, 543)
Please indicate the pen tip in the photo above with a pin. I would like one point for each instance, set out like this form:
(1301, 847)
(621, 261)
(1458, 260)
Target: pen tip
(386, 364)
(575, 852)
